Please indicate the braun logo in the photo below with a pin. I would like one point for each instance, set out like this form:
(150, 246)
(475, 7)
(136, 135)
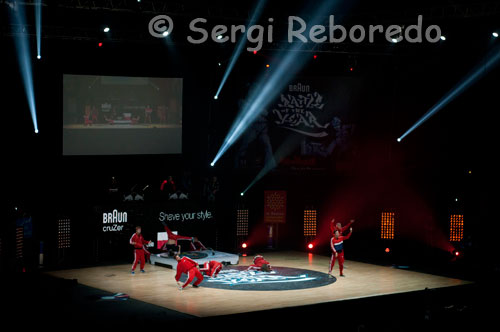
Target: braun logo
(114, 217)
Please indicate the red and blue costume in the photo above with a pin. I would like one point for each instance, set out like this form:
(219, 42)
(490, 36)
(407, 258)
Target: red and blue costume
(337, 245)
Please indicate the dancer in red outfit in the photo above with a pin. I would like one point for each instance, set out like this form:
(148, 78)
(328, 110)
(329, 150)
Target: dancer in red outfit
(190, 267)
(260, 264)
(173, 238)
(138, 242)
(337, 245)
(338, 226)
(211, 268)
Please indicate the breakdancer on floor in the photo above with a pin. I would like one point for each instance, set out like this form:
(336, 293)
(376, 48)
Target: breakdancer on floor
(190, 267)
(337, 245)
(260, 264)
(211, 269)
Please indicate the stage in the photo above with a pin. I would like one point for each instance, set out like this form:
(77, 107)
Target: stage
(157, 286)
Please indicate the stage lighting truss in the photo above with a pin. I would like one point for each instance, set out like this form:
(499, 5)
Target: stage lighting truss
(387, 226)
(456, 227)
(242, 222)
(64, 234)
(19, 242)
(310, 218)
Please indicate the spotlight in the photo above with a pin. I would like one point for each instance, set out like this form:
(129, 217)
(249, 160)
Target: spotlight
(351, 69)
(212, 164)
(36, 131)
(387, 250)
(456, 253)
(267, 66)
(165, 33)
(310, 246)
(244, 245)
(495, 34)
(442, 38)
(100, 44)
(315, 56)
(456, 199)
(38, 56)
(219, 37)
(241, 194)
(220, 64)
(399, 139)
(106, 29)
(394, 40)
(216, 97)
(254, 52)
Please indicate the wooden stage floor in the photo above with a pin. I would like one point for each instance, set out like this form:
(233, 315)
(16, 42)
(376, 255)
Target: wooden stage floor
(157, 286)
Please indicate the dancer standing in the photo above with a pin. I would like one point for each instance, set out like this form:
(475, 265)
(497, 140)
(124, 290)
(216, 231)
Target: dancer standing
(338, 226)
(137, 240)
(337, 245)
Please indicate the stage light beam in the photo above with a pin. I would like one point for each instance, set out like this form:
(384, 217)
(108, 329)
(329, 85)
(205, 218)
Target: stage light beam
(21, 41)
(239, 46)
(38, 24)
(268, 86)
(490, 61)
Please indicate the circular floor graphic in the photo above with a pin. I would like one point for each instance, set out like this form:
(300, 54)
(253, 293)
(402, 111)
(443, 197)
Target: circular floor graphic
(281, 278)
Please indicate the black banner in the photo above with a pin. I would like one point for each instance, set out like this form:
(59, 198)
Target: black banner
(309, 126)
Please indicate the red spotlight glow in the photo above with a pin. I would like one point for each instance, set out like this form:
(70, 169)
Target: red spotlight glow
(315, 56)
(254, 52)
(244, 245)
(387, 250)
(310, 246)
(457, 253)
(351, 69)
(100, 44)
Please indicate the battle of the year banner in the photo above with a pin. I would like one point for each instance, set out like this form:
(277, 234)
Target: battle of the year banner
(275, 206)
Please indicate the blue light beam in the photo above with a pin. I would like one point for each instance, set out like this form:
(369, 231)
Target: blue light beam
(269, 86)
(18, 16)
(285, 149)
(38, 24)
(239, 47)
(490, 61)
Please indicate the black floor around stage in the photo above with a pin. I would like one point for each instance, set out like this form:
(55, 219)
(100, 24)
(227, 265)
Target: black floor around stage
(44, 301)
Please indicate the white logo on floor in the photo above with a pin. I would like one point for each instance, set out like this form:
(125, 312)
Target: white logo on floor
(236, 277)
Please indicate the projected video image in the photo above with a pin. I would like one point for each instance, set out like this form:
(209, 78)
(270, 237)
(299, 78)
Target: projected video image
(121, 102)
(121, 115)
